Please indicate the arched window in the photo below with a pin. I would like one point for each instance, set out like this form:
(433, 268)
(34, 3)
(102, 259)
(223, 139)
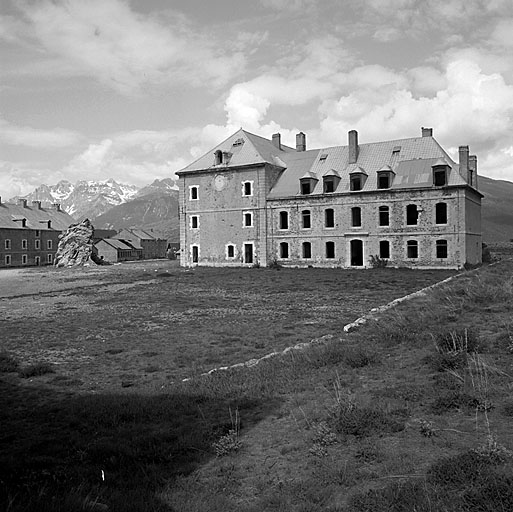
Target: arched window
(441, 213)
(284, 220)
(306, 219)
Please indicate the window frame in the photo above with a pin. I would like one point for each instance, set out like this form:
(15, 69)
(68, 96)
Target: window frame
(356, 217)
(283, 220)
(49, 244)
(7, 244)
(306, 250)
(409, 216)
(24, 244)
(329, 218)
(245, 184)
(384, 210)
(444, 214)
(193, 191)
(49, 258)
(381, 245)
(330, 250)
(284, 250)
(8, 259)
(37, 244)
(443, 245)
(232, 247)
(437, 172)
(245, 216)
(412, 246)
(306, 214)
(194, 222)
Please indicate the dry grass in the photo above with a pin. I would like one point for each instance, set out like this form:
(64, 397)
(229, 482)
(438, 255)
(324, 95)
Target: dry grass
(354, 424)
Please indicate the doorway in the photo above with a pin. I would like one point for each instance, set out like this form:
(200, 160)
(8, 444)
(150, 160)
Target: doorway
(195, 254)
(356, 253)
(248, 253)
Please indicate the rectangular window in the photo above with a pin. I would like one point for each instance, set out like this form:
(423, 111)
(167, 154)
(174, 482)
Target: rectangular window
(284, 220)
(24, 259)
(441, 249)
(384, 180)
(247, 219)
(329, 185)
(412, 215)
(195, 253)
(49, 258)
(356, 183)
(193, 192)
(247, 188)
(24, 244)
(441, 213)
(307, 250)
(194, 222)
(440, 177)
(306, 218)
(230, 251)
(305, 188)
(38, 233)
(329, 218)
(7, 244)
(356, 217)
(37, 261)
(384, 249)
(37, 244)
(284, 250)
(384, 216)
(412, 249)
(7, 259)
(330, 250)
(49, 244)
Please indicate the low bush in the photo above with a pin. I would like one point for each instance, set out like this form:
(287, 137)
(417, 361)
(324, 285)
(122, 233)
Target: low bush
(358, 357)
(458, 341)
(7, 363)
(36, 370)
(454, 400)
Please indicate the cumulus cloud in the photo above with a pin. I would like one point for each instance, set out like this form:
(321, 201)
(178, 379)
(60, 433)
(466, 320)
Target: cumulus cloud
(123, 49)
(36, 138)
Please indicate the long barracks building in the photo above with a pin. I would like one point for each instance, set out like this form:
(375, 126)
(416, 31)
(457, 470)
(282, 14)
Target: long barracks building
(251, 201)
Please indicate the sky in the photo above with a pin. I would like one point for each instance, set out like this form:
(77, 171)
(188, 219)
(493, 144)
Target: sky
(137, 89)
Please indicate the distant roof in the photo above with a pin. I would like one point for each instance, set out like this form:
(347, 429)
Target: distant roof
(124, 245)
(11, 216)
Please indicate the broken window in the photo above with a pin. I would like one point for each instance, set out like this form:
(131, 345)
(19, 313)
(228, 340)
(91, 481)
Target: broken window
(440, 176)
(329, 185)
(306, 219)
(384, 180)
(384, 249)
(441, 249)
(306, 188)
(441, 213)
(412, 249)
(329, 218)
(218, 157)
(307, 250)
(284, 220)
(412, 215)
(384, 216)
(356, 217)
(356, 182)
(284, 250)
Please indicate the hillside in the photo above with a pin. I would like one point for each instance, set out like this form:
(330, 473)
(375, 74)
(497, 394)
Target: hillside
(155, 210)
(497, 211)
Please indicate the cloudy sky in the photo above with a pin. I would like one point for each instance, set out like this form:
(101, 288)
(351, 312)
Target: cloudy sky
(136, 89)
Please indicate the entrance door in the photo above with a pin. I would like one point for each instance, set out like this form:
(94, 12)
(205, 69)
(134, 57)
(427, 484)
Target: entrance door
(248, 253)
(195, 254)
(356, 253)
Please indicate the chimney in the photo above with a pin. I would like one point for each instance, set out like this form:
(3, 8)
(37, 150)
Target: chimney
(277, 140)
(300, 142)
(22, 203)
(427, 132)
(56, 206)
(472, 171)
(463, 156)
(37, 204)
(353, 146)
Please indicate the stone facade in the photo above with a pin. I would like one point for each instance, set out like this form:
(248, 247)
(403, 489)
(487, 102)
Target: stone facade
(254, 201)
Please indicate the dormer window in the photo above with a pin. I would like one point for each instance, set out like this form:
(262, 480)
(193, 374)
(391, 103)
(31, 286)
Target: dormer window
(218, 157)
(440, 173)
(308, 183)
(330, 181)
(385, 177)
(357, 179)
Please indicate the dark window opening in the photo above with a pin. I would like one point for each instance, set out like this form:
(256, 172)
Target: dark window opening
(194, 222)
(38, 233)
(231, 251)
(384, 216)
(441, 213)
(356, 253)
(441, 249)
(247, 188)
(356, 217)
(330, 250)
(384, 249)
(329, 185)
(356, 183)
(284, 250)
(412, 215)
(412, 249)
(306, 219)
(329, 218)
(440, 177)
(248, 220)
(218, 157)
(284, 220)
(307, 250)
(195, 254)
(384, 180)
(194, 192)
(305, 188)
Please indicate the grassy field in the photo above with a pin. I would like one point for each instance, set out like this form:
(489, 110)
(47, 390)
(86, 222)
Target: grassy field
(411, 412)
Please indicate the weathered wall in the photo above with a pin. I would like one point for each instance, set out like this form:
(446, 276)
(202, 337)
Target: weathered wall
(473, 238)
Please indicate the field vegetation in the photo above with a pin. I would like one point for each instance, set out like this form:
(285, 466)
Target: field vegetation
(411, 411)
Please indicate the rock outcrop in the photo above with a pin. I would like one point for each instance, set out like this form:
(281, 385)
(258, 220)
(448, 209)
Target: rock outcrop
(75, 245)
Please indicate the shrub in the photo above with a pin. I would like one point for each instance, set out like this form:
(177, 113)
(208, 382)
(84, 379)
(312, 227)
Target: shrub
(486, 254)
(275, 264)
(460, 340)
(358, 357)
(454, 400)
(7, 363)
(36, 370)
(377, 262)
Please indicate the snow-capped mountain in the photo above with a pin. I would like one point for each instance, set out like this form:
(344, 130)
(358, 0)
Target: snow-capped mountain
(84, 199)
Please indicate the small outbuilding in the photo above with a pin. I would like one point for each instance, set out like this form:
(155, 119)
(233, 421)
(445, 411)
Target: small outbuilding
(114, 250)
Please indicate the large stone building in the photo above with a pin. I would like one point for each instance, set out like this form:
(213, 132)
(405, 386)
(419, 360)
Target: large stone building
(256, 201)
(29, 234)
